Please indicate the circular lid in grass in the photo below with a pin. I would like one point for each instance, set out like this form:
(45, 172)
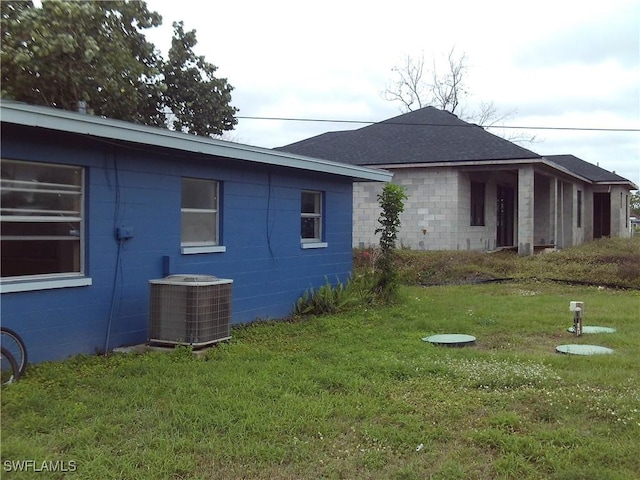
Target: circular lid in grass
(594, 329)
(451, 339)
(583, 349)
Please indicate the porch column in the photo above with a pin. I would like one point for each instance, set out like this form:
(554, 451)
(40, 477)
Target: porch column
(553, 211)
(525, 210)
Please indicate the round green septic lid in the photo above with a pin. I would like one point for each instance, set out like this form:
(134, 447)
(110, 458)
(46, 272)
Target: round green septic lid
(451, 339)
(594, 329)
(583, 349)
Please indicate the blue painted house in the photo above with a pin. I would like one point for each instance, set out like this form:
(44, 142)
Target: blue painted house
(93, 208)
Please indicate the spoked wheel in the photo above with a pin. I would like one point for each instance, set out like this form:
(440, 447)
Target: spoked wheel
(11, 341)
(10, 369)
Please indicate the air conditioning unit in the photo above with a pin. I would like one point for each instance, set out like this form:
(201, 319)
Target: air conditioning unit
(189, 310)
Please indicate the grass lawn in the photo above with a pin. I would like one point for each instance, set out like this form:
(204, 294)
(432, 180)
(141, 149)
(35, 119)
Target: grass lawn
(354, 395)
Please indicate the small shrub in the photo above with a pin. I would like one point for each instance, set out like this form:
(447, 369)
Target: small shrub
(358, 291)
(326, 299)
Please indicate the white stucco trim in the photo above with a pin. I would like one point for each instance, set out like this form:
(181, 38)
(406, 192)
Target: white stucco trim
(306, 245)
(209, 249)
(33, 285)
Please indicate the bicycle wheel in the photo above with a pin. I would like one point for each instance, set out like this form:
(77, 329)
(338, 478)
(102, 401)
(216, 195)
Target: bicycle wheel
(11, 341)
(9, 367)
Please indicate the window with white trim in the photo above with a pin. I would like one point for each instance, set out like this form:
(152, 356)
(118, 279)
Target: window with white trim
(200, 213)
(311, 217)
(42, 220)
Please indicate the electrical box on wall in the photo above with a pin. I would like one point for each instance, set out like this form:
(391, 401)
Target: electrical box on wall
(124, 233)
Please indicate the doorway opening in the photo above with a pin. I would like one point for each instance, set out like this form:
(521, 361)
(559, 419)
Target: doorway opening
(601, 215)
(504, 233)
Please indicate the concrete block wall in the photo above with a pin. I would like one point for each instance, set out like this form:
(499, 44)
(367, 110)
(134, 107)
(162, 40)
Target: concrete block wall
(476, 237)
(366, 213)
(579, 231)
(429, 221)
(587, 215)
(565, 220)
(620, 211)
(526, 190)
(437, 211)
(543, 189)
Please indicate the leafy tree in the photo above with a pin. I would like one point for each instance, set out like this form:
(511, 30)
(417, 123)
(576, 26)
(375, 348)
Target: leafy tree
(66, 52)
(391, 201)
(198, 100)
(635, 203)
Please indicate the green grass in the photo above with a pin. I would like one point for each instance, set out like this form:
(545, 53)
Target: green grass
(355, 395)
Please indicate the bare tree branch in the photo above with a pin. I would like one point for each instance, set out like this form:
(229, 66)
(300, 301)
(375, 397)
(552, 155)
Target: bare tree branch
(488, 116)
(409, 88)
(447, 91)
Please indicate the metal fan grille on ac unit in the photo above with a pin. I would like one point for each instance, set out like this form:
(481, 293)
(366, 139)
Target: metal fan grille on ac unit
(190, 310)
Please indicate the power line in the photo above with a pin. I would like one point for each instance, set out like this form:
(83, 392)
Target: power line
(364, 122)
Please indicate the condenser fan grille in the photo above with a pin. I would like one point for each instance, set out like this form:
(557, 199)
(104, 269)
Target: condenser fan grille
(190, 310)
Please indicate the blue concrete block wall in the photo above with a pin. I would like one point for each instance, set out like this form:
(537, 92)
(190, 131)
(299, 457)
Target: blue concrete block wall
(137, 187)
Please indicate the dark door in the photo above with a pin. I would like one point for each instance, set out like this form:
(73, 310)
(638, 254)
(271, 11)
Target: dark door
(601, 215)
(504, 232)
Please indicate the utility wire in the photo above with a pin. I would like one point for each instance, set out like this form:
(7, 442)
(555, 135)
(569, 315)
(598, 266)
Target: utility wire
(364, 122)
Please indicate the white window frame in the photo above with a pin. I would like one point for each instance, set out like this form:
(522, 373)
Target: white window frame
(207, 246)
(31, 214)
(316, 215)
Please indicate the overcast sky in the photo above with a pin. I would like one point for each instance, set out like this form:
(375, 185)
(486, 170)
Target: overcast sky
(556, 63)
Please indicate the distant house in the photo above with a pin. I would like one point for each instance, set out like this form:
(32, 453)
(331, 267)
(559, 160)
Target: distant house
(92, 209)
(471, 190)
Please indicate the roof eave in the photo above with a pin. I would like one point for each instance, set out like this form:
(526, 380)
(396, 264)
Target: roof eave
(557, 166)
(71, 122)
(630, 184)
(566, 171)
(507, 162)
(463, 163)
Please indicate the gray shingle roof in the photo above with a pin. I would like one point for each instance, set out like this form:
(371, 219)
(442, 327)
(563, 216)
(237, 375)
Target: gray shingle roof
(585, 169)
(428, 135)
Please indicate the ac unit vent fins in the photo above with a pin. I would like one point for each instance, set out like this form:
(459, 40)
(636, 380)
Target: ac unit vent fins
(189, 310)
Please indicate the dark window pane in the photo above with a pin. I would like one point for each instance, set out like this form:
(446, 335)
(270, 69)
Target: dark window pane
(310, 228)
(42, 219)
(199, 227)
(310, 202)
(40, 257)
(477, 203)
(199, 194)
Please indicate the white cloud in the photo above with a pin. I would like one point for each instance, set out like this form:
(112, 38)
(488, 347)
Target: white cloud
(556, 63)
